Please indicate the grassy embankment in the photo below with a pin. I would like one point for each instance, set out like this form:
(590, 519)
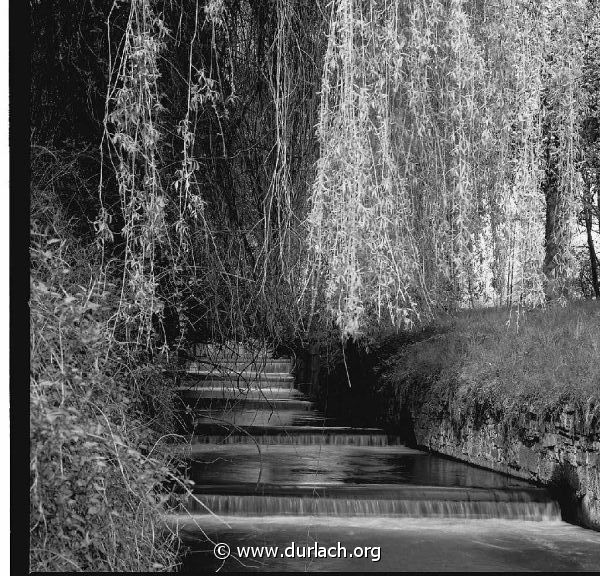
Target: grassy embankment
(497, 363)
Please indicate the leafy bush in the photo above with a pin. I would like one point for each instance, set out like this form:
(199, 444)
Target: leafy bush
(97, 469)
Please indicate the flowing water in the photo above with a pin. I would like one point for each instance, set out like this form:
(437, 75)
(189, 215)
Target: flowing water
(274, 472)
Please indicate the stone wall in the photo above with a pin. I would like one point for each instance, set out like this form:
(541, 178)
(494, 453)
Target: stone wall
(556, 453)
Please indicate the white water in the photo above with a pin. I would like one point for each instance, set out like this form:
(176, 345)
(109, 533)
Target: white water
(249, 505)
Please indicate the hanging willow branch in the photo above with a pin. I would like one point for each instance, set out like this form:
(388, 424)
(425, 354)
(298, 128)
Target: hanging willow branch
(213, 189)
(132, 124)
(430, 182)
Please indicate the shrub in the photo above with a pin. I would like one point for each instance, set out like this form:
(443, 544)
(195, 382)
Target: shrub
(97, 469)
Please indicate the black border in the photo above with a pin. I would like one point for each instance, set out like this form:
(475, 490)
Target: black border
(19, 71)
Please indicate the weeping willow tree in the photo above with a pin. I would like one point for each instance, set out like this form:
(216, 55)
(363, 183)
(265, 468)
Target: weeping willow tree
(280, 162)
(449, 164)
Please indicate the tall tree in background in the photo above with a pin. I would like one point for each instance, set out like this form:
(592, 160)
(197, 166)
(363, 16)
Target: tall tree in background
(562, 107)
(591, 138)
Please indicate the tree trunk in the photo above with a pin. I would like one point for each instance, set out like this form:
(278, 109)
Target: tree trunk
(553, 217)
(592, 250)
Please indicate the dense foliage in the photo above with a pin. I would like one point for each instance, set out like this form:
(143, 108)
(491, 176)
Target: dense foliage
(98, 416)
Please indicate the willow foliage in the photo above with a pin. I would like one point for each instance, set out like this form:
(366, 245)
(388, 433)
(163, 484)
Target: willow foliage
(444, 170)
(209, 126)
(439, 124)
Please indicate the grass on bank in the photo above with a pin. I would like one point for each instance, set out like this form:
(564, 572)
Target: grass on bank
(500, 362)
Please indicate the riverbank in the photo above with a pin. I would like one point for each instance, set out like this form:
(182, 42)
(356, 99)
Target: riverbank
(516, 393)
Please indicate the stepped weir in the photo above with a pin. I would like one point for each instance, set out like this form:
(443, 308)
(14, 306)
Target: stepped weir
(262, 454)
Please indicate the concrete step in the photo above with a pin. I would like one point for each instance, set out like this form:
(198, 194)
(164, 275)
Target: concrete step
(268, 366)
(381, 491)
(234, 392)
(231, 350)
(243, 409)
(190, 381)
(252, 499)
(204, 443)
(215, 430)
(223, 418)
(246, 375)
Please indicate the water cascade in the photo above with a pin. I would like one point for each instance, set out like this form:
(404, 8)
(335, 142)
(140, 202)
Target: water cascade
(262, 451)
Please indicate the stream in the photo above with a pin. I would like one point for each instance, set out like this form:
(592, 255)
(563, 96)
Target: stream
(280, 486)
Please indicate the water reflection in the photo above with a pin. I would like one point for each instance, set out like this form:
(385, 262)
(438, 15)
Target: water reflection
(337, 464)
